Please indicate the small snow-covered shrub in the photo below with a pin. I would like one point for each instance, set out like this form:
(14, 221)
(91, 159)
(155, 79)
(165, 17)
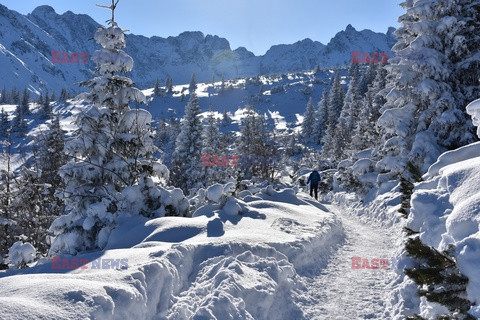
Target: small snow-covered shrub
(20, 254)
(473, 109)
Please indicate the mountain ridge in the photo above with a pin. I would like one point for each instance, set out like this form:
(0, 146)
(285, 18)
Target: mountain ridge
(27, 41)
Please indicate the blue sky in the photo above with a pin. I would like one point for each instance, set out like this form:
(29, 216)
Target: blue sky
(254, 24)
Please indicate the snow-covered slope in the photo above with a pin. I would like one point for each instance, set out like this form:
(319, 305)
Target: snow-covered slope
(217, 265)
(279, 107)
(446, 211)
(26, 43)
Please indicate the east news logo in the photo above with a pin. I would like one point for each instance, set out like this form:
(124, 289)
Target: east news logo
(75, 263)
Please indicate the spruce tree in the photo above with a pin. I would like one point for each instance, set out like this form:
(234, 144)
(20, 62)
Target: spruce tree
(25, 102)
(222, 84)
(186, 164)
(336, 98)
(19, 122)
(308, 120)
(211, 146)
(32, 204)
(424, 109)
(226, 120)
(169, 85)
(348, 117)
(366, 134)
(354, 71)
(7, 224)
(50, 156)
(3, 96)
(321, 118)
(439, 279)
(165, 137)
(46, 107)
(367, 78)
(291, 145)
(109, 154)
(255, 144)
(4, 124)
(156, 88)
(335, 104)
(15, 96)
(193, 84)
(63, 95)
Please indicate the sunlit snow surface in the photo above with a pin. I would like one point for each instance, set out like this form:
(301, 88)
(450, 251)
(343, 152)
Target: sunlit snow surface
(216, 265)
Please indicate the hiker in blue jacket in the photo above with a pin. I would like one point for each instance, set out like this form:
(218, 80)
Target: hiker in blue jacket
(314, 180)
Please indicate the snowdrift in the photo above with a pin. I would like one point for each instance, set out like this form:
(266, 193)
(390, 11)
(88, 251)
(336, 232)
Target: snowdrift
(216, 265)
(445, 209)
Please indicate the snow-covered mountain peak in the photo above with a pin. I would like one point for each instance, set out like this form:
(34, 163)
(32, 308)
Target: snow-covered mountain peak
(44, 10)
(26, 62)
(350, 28)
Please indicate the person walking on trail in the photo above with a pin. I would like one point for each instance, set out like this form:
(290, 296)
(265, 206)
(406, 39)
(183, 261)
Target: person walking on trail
(314, 180)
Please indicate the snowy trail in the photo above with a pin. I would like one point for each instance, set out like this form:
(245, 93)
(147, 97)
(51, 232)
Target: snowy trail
(336, 291)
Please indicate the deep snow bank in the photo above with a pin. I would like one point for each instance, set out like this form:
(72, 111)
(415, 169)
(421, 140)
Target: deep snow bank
(213, 266)
(446, 210)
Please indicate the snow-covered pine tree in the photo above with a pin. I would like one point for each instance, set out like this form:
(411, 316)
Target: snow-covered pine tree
(439, 279)
(3, 96)
(336, 98)
(354, 71)
(25, 102)
(187, 160)
(367, 78)
(156, 88)
(15, 96)
(7, 224)
(308, 121)
(348, 117)
(222, 84)
(335, 105)
(31, 204)
(211, 146)
(461, 45)
(226, 120)
(53, 97)
(291, 147)
(366, 134)
(255, 142)
(46, 107)
(169, 85)
(193, 84)
(19, 122)
(63, 95)
(111, 171)
(321, 118)
(161, 134)
(423, 114)
(4, 124)
(50, 157)
(165, 137)
(40, 99)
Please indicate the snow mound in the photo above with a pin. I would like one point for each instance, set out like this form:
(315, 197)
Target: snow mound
(215, 192)
(446, 211)
(20, 254)
(473, 109)
(213, 266)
